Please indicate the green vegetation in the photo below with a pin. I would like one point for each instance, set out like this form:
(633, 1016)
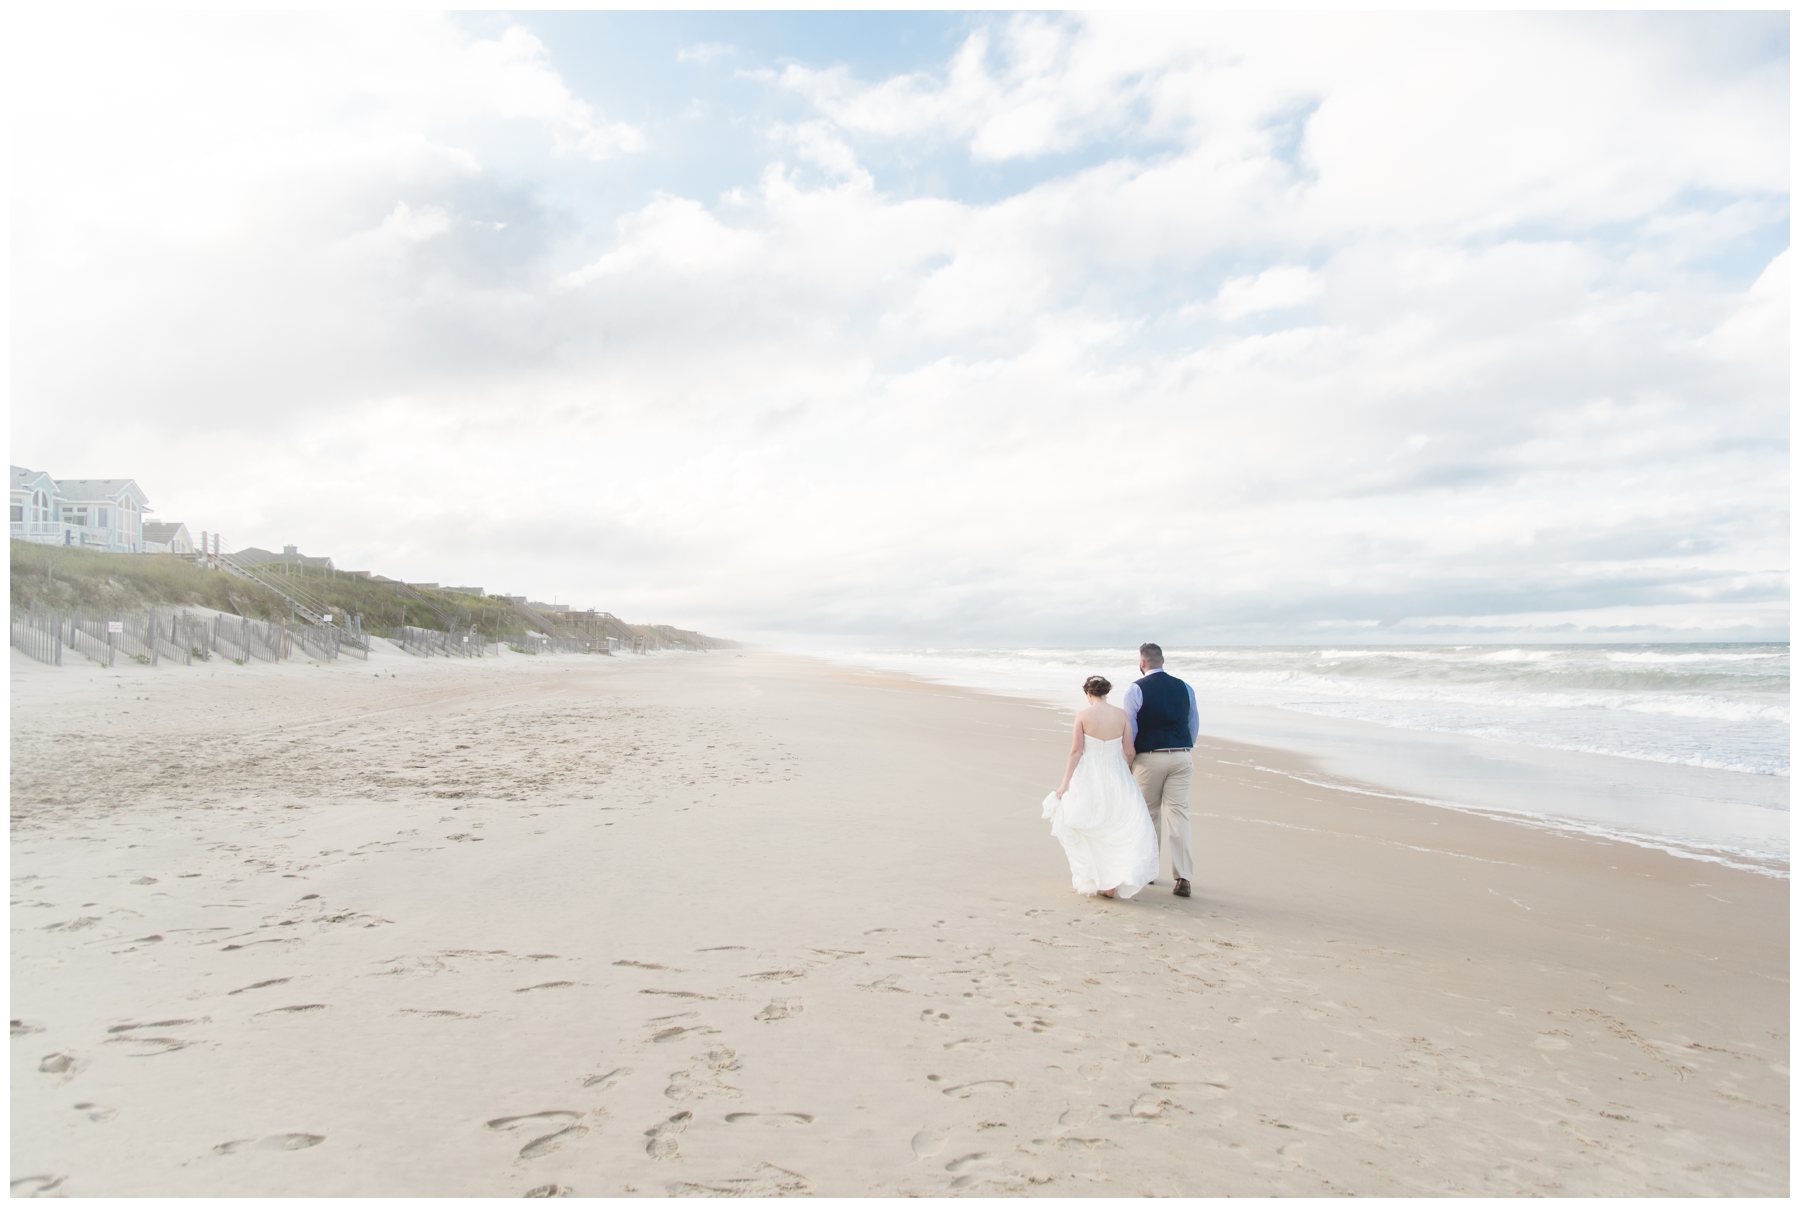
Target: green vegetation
(57, 577)
(385, 605)
(54, 576)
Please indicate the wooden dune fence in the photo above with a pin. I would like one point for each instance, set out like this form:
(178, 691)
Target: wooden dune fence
(155, 637)
(435, 643)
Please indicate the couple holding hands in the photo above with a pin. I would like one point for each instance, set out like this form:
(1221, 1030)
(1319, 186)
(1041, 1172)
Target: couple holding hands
(1125, 766)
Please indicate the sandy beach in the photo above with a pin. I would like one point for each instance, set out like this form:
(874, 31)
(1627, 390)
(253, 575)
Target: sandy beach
(749, 924)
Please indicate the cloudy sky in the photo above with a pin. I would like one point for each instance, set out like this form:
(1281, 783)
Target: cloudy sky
(932, 328)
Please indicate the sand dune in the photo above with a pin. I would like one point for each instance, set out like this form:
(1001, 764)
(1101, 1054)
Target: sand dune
(749, 925)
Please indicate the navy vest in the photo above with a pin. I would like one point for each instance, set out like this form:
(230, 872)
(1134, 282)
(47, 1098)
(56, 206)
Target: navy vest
(1163, 720)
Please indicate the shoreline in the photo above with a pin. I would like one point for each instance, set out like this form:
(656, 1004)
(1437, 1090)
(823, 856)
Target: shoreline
(1366, 757)
(421, 927)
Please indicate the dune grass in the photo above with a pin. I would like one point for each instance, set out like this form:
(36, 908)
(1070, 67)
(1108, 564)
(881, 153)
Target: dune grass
(58, 577)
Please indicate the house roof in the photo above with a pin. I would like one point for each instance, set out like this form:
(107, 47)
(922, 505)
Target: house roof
(98, 488)
(21, 477)
(163, 530)
(252, 555)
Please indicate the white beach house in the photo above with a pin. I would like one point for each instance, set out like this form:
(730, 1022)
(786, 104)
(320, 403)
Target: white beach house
(167, 537)
(93, 513)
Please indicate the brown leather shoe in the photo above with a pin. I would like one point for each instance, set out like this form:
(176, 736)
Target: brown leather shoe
(1182, 888)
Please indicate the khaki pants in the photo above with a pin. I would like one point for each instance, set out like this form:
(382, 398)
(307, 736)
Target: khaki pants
(1165, 776)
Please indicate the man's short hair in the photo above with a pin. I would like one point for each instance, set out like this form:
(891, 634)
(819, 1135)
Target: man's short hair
(1151, 653)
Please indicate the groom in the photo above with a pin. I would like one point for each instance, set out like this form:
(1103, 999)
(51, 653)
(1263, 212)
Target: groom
(1165, 723)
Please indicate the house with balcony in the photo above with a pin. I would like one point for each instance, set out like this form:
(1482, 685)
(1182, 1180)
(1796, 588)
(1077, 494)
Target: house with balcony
(90, 513)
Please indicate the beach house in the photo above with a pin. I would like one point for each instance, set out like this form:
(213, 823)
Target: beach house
(290, 558)
(167, 537)
(93, 513)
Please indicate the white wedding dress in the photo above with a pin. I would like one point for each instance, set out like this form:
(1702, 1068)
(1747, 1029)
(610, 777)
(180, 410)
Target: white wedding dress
(1103, 824)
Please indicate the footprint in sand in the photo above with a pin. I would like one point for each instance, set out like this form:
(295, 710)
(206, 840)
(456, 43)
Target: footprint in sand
(721, 1059)
(781, 1008)
(548, 1191)
(1214, 1089)
(601, 1082)
(890, 984)
(278, 1142)
(662, 1144)
(95, 1112)
(775, 1119)
(550, 1142)
(668, 1034)
(261, 985)
(554, 1116)
(552, 985)
(152, 1046)
(439, 1014)
(957, 1165)
(1148, 1107)
(681, 1085)
(36, 1185)
(767, 1181)
(59, 1063)
(21, 1028)
(966, 1089)
(928, 1142)
(300, 1008)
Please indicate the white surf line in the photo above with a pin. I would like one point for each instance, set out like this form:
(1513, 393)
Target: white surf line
(1319, 830)
(1508, 897)
(1694, 850)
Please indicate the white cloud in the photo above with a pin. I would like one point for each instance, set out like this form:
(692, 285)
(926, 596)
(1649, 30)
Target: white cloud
(1332, 323)
(674, 235)
(405, 225)
(817, 143)
(1751, 343)
(1283, 287)
(512, 76)
(1472, 121)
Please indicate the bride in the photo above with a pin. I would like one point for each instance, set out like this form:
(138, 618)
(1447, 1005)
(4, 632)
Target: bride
(1099, 814)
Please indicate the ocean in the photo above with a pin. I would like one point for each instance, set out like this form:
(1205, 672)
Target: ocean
(1679, 747)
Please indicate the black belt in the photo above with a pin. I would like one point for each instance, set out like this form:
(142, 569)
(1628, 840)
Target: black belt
(1162, 750)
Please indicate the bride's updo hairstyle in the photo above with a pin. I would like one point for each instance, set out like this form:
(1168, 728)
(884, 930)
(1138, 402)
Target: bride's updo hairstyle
(1097, 686)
